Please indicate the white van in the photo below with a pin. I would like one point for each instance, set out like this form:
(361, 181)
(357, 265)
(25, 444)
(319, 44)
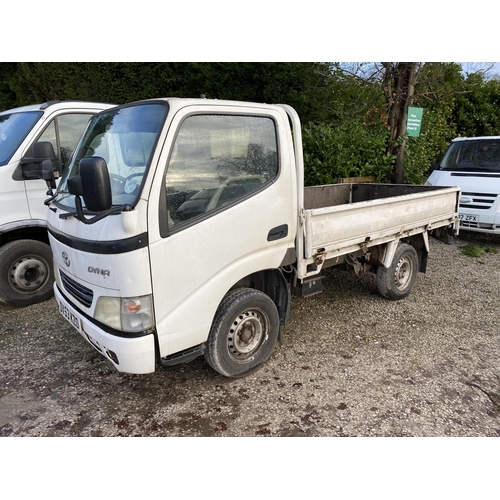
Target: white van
(26, 273)
(473, 164)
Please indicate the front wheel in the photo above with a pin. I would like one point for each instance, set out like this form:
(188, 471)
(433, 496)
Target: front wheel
(396, 281)
(243, 334)
(26, 272)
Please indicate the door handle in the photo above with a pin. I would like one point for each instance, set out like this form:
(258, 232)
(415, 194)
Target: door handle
(278, 232)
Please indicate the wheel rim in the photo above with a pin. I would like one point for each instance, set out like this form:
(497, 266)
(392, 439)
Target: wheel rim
(247, 333)
(28, 274)
(403, 273)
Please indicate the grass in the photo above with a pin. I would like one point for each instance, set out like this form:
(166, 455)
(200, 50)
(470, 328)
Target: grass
(477, 250)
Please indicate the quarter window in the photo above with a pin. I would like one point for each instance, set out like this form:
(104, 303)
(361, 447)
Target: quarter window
(218, 160)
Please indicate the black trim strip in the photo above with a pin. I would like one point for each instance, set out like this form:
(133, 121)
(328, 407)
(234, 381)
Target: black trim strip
(101, 247)
(473, 174)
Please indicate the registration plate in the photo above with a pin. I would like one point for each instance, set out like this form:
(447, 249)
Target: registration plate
(468, 217)
(72, 318)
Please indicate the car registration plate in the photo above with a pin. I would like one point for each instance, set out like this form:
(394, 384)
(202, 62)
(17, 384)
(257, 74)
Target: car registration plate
(72, 318)
(468, 217)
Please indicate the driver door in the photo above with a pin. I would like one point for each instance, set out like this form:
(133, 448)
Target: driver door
(64, 132)
(225, 193)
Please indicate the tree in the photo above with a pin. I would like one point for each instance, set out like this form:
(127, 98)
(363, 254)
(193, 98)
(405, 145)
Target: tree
(7, 76)
(300, 84)
(476, 110)
(399, 89)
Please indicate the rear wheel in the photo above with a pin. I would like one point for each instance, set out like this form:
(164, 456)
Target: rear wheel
(26, 272)
(396, 281)
(243, 334)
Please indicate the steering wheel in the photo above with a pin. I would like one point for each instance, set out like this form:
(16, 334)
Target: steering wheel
(130, 185)
(120, 184)
(117, 183)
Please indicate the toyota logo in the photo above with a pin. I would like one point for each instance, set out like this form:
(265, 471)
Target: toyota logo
(66, 258)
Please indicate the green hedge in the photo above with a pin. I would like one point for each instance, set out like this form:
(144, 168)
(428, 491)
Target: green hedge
(349, 150)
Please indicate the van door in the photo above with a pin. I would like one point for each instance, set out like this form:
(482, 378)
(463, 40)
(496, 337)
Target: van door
(226, 211)
(64, 132)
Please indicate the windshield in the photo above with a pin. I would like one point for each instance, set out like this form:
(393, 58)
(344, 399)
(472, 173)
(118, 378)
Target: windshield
(125, 139)
(14, 127)
(481, 155)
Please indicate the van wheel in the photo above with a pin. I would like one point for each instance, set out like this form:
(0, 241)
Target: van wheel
(26, 272)
(243, 334)
(396, 281)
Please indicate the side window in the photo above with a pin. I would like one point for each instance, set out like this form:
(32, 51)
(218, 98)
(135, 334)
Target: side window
(70, 129)
(216, 161)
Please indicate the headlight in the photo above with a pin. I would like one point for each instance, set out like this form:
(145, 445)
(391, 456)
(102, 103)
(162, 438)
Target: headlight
(132, 314)
(57, 276)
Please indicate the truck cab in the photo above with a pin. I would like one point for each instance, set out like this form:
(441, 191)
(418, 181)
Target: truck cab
(139, 279)
(26, 274)
(473, 164)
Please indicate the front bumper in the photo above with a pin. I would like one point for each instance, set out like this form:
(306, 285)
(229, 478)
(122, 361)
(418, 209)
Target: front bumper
(128, 355)
(480, 227)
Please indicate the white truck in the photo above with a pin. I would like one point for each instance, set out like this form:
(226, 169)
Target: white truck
(28, 136)
(149, 285)
(473, 164)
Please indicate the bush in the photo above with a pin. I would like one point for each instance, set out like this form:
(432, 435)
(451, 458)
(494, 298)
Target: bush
(349, 150)
(422, 151)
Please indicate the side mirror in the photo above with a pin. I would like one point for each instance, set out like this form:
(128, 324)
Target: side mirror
(48, 176)
(32, 166)
(93, 184)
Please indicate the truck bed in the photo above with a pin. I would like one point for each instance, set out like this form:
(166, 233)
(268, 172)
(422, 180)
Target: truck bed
(343, 218)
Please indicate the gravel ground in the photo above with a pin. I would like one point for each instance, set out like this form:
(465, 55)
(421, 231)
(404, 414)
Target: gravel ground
(351, 364)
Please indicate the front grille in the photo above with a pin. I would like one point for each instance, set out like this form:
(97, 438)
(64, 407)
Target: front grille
(469, 224)
(480, 201)
(79, 292)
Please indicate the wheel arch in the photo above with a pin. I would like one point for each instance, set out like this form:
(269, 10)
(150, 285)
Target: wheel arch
(420, 243)
(273, 283)
(25, 232)
(384, 255)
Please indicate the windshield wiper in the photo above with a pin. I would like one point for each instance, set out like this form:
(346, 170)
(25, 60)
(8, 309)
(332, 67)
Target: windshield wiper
(80, 213)
(471, 167)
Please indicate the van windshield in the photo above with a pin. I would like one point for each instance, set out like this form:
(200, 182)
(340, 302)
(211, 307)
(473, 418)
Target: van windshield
(125, 138)
(14, 127)
(481, 155)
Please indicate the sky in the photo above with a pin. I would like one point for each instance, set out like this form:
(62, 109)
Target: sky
(492, 68)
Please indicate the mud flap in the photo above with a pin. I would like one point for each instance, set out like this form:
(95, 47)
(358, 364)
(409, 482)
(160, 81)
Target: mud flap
(311, 285)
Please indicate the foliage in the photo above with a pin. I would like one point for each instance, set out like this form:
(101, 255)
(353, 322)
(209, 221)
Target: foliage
(298, 84)
(477, 250)
(476, 110)
(437, 86)
(350, 150)
(7, 76)
(343, 106)
(354, 93)
(429, 147)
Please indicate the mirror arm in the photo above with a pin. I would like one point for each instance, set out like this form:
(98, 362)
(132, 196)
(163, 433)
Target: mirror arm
(79, 215)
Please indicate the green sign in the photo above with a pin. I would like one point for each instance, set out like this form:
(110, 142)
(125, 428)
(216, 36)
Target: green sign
(414, 121)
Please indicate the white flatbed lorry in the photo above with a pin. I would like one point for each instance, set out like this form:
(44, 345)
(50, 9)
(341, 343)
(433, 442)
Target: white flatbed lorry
(182, 228)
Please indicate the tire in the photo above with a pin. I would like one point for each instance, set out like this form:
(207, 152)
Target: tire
(26, 272)
(243, 334)
(396, 282)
